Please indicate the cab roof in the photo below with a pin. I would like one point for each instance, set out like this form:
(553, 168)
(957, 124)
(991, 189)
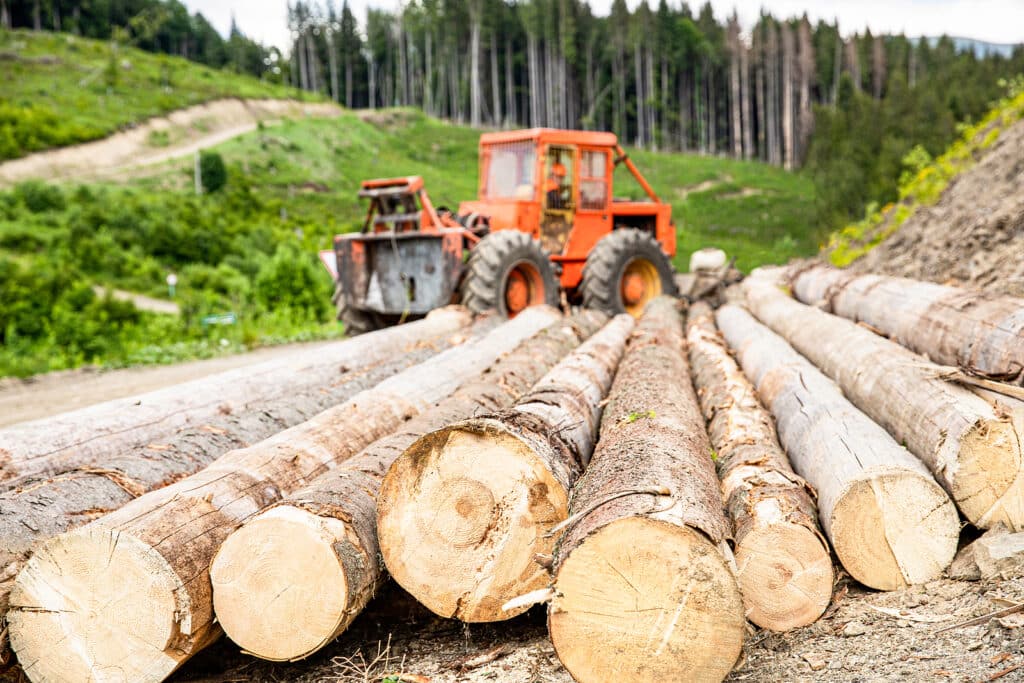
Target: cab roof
(551, 136)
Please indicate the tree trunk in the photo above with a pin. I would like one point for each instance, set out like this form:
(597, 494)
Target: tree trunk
(746, 110)
(889, 522)
(475, 89)
(90, 437)
(973, 452)
(332, 62)
(735, 101)
(642, 591)
(762, 114)
(43, 509)
(130, 593)
(878, 67)
(853, 62)
(978, 332)
(534, 79)
(788, 57)
(55, 9)
(511, 110)
(476, 555)
(783, 563)
(496, 116)
(641, 100)
(807, 65)
(37, 16)
(372, 77)
(334, 522)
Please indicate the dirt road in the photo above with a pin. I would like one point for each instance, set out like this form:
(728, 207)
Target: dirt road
(58, 392)
(159, 139)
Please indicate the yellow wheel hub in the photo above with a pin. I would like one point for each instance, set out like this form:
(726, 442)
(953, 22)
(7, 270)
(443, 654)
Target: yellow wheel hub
(639, 284)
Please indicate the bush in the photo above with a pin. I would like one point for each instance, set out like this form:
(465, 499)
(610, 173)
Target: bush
(214, 172)
(290, 279)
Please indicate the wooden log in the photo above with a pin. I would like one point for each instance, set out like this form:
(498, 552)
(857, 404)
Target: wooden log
(643, 590)
(888, 520)
(978, 332)
(39, 509)
(128, 596)
(293, 577)
(464, 512)
(974, 453)
(783, 564)
(88, 437)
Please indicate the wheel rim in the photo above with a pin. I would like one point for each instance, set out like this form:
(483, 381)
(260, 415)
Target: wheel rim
(524, 287)
(639, 284)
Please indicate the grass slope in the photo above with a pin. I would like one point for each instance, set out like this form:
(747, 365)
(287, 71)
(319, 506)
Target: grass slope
(757, 212)
(59, 89)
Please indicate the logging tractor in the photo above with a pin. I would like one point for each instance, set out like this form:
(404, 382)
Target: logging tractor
(545, 229)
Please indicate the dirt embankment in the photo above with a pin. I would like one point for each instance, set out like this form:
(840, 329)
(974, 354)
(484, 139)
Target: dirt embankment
(974, 235)
(159, 139)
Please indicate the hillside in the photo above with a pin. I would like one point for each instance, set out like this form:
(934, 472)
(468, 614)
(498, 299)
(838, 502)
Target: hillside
(960, 218)
(60, 89)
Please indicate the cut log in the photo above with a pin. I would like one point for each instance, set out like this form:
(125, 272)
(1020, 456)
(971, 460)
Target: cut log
(974, 453)
(40, 509)
(643, 589)
(294, 577)
(90, 436)
(783, 563)
(467, 508)
(978, 332)
(888, 520)
(128, 596)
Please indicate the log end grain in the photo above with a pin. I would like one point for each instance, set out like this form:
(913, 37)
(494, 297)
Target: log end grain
(461, 515)
(646, 601)
(785, 573)
(97, 605)
(283, 566)
(989, 481)
(895, 528)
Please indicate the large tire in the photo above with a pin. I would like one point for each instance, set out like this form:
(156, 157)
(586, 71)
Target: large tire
(508, 271)
(354, 320)
(624, 271)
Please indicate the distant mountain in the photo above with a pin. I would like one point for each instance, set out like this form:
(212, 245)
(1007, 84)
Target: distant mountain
(980, 48)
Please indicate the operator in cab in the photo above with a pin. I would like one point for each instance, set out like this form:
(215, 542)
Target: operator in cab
(553, 185)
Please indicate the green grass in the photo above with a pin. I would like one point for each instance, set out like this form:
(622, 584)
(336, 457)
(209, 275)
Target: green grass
(759, 213)
(59, 89)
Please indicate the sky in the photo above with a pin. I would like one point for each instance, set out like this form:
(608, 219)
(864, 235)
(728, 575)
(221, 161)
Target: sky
(995, 21)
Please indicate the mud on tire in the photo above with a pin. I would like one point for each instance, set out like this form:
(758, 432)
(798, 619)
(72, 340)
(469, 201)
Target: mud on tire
(507, 271)
(354, 320)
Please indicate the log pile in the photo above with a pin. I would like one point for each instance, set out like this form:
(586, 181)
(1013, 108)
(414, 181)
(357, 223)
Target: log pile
(314, 555)
(128, 596)
(782, 560)
(466, 510)
(656, 485)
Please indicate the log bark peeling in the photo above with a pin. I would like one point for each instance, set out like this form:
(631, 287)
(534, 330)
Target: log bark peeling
(467, 508)
(128, 597)
(888, 520)
(782, 559)
(314, 556)
(974, 453)
(981, 333)
(643, 589)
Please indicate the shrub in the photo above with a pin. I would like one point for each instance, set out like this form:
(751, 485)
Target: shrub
(214, 172)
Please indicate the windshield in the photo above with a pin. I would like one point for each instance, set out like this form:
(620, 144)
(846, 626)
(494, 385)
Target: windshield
(511, 169)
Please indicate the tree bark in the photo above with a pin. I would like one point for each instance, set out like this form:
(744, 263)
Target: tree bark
(974, 453)
(788, 57)
(130, 593)
(322, 540)
(783, 564)
(493, 487)
(38, 510)
(475, 86)
(642, 588)
(978, 332)
(89, 437)
(735, 100)
(805, 123)
(889, 522)
(746, 110)
(496, 117)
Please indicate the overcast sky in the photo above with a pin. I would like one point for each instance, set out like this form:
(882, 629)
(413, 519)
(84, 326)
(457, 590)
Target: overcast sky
(996, 21)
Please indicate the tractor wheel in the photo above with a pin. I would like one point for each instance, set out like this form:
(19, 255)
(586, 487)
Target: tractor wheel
(354, 320)
(508, 271)
(624, 271)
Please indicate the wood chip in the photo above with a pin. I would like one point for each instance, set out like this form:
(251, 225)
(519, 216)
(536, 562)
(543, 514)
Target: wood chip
(1007, 670)
(909, 616)
(476, 661)
(815, 660)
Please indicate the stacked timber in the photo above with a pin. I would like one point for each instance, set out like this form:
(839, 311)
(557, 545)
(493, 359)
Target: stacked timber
(888, 520)
(128, 596)
(782, 560)
(294, 576)
(973, 450)
(89, 437)
(981, 333)
(114, 472)
(643, 589)
(467, 510)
